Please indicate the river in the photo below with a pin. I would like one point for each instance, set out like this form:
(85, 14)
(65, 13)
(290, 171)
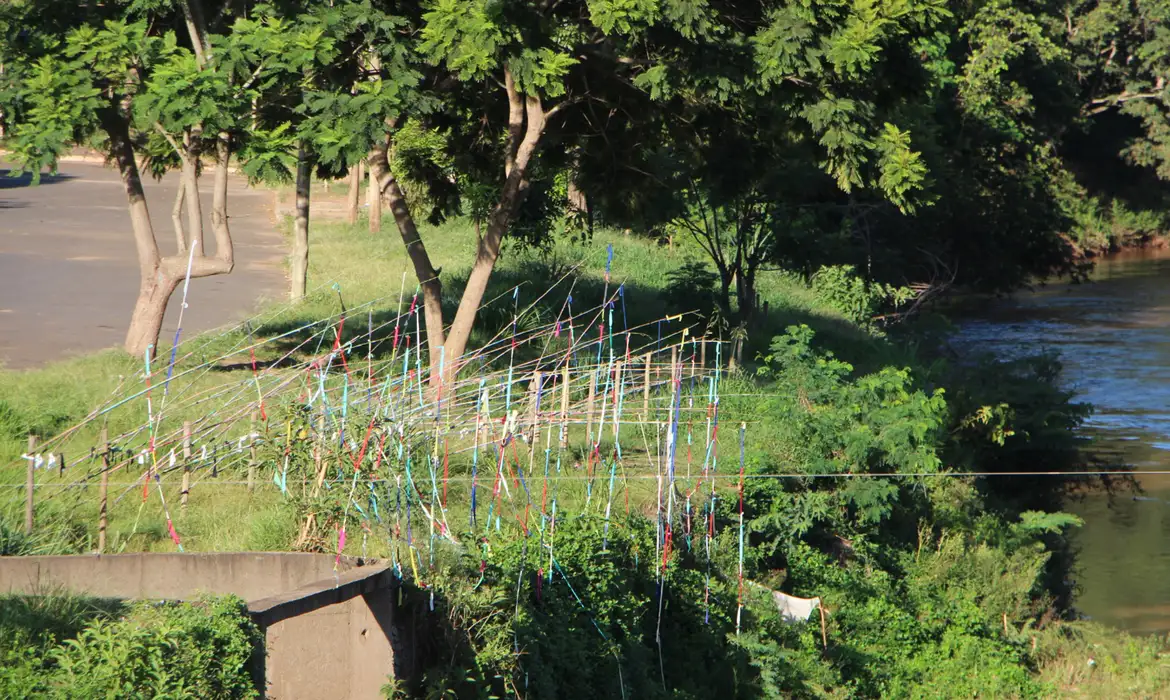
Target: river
(1113, 336)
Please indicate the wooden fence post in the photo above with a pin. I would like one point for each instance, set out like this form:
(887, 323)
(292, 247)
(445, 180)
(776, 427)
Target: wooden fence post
(186, 467)
(646, 388)
(252, 455)
(537, 379)
(103, 491)
(589, 407)
(565, 405)
(617, 394)
(30, 484)
(703, 352)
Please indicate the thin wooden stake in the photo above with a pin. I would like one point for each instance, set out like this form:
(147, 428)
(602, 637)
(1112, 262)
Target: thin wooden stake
(617, 395)
(565, 406)
(186, 467)
(103, 491)
(646, 388)
(824, 633)
(30, 485)
(537, 377)
(589, 407)
(703, 353)
(252, 455)
(320, 458)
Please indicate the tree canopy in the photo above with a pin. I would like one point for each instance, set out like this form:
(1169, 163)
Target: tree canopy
(980, 144)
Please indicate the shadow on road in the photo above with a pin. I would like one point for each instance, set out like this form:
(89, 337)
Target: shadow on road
(10, 182)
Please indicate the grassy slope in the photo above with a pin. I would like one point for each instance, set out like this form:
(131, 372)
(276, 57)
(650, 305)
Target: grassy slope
(370, 270)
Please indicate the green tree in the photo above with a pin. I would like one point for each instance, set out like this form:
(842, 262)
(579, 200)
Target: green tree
(120, 77)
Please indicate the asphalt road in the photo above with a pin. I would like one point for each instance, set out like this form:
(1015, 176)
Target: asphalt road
(69, 273)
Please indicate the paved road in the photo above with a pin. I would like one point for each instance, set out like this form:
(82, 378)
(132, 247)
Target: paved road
(69, 275)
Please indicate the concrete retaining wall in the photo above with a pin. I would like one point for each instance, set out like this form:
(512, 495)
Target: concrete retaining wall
(328, 634)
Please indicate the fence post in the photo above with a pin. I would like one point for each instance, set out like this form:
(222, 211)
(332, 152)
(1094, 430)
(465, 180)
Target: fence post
(252, 455)
(589, 407)
(30, 484)
(103, 490)
(703, 352)
(618, 394)
(565, 405)
(537, 379)
(186, 467)
(646, 388)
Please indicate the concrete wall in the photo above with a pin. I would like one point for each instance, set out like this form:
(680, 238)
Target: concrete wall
(350, 623)
(249, 575)
(329, 635)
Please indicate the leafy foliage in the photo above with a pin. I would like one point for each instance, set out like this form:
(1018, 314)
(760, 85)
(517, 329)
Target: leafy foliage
(187, 650)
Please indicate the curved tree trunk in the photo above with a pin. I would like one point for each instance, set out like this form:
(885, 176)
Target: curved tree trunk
(160, 276)
(526, 121)
(149, 310)
(383, 181)
(299, 258)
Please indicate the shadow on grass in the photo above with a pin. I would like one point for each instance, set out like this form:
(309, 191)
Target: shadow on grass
(543, 291)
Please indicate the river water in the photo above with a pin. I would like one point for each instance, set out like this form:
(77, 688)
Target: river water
(1113, 336)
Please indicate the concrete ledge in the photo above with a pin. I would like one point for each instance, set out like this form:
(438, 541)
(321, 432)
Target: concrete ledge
(250, 575)
(350, 584)
(329, 633)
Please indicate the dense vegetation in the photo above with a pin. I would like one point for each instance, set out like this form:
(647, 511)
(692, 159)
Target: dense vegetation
(58, 646)
(804, 174)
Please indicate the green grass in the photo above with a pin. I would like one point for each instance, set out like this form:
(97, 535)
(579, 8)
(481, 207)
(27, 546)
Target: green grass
(366, 272)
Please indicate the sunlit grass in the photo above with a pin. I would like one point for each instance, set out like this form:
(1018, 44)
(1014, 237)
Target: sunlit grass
(371, 276)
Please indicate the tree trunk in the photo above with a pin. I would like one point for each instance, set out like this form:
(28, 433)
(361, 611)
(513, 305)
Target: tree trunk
(299, 259)
(526, 120)
(745, 292)
(725, 279)
(382, 180)
(177, 220)
(189, 180)
(352, 197)
(147, 317)
(374, 199)
(145, 324)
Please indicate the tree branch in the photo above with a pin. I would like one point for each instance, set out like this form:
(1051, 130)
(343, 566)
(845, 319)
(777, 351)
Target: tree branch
(515, 122)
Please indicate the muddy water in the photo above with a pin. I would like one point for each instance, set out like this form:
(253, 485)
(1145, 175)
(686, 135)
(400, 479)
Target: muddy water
(1113, 336)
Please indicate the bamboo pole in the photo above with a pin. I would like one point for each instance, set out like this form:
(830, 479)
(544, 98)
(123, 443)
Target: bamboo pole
(186, 489)
(617, 394)
(589, 407)
(703, 352)
(646, 388)
(565, 406)
(30, 485)
(320, 456)
(824, 632)
(103, 492)
(537, 378)
(252, 455)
